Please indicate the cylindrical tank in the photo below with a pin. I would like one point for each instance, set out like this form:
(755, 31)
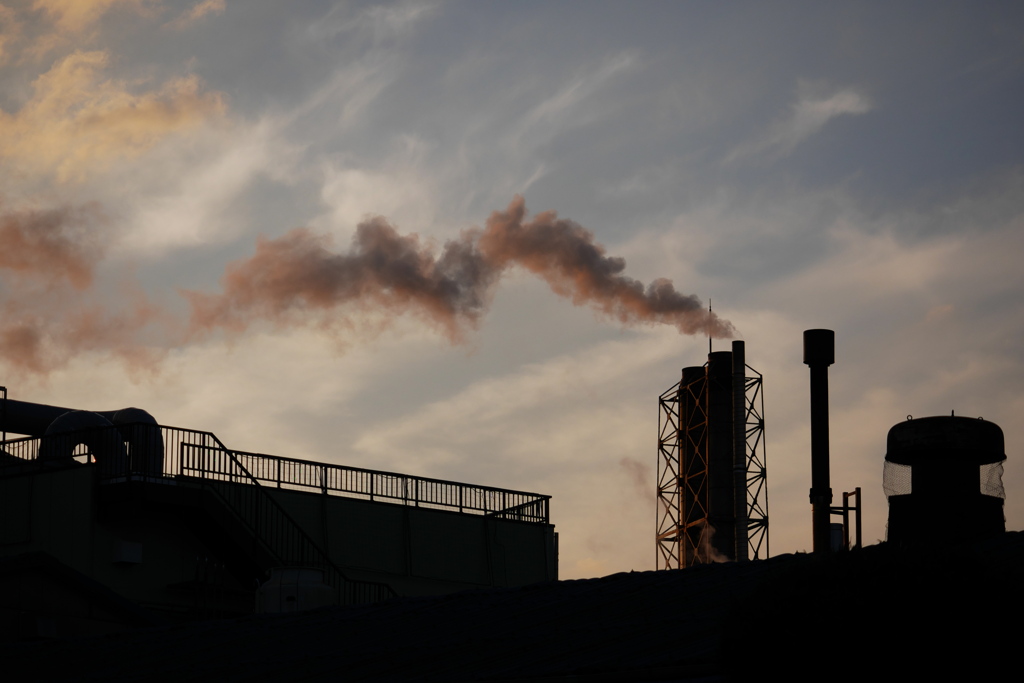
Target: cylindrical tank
(943, 477)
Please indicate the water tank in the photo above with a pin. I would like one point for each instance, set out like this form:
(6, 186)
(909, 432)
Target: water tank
(943, 478)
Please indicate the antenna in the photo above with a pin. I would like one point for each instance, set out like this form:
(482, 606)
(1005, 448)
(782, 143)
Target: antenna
(709, 326)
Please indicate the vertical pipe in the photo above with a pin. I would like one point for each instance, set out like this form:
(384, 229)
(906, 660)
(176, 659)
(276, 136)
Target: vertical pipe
(720, 456)
(857, 516)
(819, 353)
(739, 447)
(846, 520)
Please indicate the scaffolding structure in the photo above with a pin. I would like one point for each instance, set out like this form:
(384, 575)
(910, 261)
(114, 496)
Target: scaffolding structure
(712, 476)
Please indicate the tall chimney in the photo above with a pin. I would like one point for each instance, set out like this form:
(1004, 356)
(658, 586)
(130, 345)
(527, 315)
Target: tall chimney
(819, 353)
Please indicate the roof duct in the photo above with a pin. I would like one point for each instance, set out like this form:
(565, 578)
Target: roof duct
(136, 441)
(943, 478)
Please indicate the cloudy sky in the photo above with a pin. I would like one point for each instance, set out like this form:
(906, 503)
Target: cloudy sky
(199, 201)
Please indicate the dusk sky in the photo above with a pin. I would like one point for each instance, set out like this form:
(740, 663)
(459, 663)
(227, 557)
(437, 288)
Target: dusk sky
(277, 222)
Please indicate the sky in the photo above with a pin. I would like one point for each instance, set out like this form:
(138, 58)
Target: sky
(476, 240)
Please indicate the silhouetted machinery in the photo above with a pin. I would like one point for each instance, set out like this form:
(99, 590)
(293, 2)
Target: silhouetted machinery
(943, 478)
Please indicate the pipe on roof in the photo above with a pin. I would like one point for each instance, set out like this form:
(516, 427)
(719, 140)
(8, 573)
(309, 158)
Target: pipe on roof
(138, 445)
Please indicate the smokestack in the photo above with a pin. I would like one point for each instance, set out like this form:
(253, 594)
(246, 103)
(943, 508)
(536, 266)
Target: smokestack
(819, 353)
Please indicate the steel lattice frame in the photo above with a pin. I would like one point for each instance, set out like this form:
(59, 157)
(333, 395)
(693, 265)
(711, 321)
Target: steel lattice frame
(670, 494)
(682, 508)
(757, 472)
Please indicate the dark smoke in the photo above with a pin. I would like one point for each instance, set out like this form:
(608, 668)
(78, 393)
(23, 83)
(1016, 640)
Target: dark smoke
(396, 273)
(565, 255)
(383, 271)
(50, 313)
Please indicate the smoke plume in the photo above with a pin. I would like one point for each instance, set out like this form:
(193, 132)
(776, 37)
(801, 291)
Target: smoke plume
(383, 271)
(51, 246)
(565, 255)
(394, 273)
(51, 311)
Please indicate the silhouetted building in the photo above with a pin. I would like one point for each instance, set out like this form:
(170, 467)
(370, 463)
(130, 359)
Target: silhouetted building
(113, 512)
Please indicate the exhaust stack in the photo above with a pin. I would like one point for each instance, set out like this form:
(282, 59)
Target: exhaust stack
(819, 353)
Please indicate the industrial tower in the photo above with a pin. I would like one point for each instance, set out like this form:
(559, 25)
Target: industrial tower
(712, 493)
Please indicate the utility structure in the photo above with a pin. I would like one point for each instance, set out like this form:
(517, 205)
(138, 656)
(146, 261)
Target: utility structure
(944, 480)
(712, 493)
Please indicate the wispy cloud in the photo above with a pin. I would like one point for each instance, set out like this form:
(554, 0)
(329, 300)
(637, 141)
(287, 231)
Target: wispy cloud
(808, 115)
(196, 13)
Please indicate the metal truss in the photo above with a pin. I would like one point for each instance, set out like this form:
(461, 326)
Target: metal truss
(682, 509)
(757, 472)
(669, 510)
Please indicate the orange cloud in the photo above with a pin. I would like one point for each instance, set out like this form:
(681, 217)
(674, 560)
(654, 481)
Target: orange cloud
(77, 121)
(11, 29)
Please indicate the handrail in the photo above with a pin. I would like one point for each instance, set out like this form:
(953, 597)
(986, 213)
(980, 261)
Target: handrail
(378, 485)
(281, 534)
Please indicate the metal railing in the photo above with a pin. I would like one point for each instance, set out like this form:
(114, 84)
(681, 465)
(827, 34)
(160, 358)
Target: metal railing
(269, 522)
(354, 482)
(152, 451)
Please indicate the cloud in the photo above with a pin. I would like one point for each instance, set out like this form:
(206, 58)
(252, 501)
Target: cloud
(561, 410)
(570, 96)
(196, 13)
(380, 22)
(188, 194)
(75, 16)
(809, 114)
(77, 122)
(73, 21)
(395, 187)
(11, 28)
